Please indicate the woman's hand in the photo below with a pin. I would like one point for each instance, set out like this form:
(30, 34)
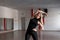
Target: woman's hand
(42, 28)
(34, 29)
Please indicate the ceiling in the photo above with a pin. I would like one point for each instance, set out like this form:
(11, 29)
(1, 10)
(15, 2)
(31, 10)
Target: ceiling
(30, 3)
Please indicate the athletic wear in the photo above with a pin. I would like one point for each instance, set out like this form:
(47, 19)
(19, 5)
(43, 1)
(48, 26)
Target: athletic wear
(30, 32)
(32, 24)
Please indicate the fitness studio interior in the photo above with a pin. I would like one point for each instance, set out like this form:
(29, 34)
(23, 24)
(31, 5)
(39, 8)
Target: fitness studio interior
(15, 16)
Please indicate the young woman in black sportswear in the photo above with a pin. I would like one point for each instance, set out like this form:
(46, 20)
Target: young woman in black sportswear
(31, 30)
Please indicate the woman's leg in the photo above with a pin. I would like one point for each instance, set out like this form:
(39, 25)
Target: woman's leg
(34, 35)
(27, 36)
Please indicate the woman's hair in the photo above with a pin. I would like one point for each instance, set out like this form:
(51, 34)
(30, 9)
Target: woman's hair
(39, 9)
(35, 16)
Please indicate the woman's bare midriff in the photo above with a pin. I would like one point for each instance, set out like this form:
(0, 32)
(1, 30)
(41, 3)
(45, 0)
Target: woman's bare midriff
(34, 29)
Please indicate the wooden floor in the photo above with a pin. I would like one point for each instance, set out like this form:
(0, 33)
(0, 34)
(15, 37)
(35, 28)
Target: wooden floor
(20, 35)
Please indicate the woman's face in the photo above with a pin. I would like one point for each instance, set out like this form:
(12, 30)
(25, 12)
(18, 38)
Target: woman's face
(38, 15)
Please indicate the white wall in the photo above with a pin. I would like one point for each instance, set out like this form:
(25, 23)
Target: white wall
(16, 27)
(6, 12)
(24, 13)
(53, 19)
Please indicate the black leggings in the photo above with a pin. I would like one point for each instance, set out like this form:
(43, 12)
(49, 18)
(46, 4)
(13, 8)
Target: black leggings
(31, 33)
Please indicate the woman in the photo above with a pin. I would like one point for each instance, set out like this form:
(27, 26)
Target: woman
(31, 30)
